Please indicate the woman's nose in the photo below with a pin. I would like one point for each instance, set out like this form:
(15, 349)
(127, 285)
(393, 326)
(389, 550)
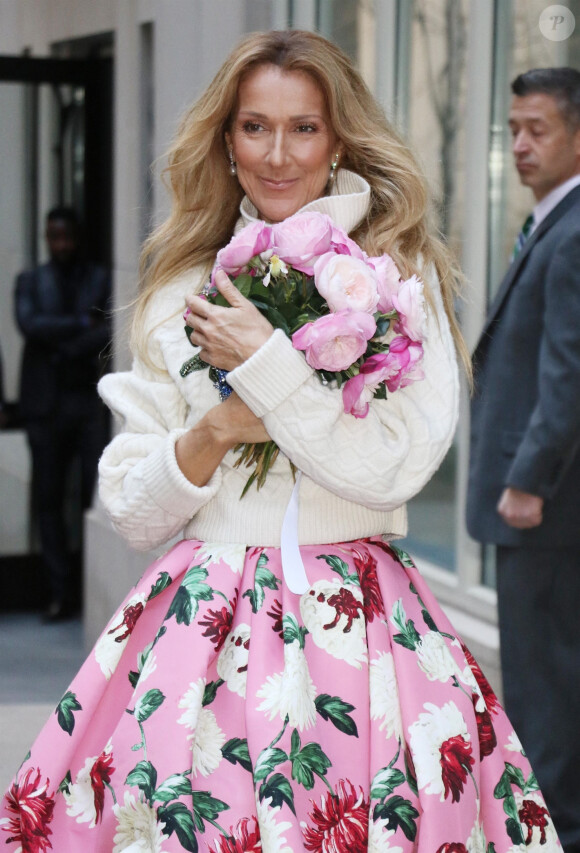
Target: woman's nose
(278, 149)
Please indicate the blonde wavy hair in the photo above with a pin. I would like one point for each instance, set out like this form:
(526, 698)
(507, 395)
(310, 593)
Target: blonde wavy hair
(205, 198)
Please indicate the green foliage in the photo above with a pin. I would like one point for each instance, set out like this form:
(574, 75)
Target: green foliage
(65, 711)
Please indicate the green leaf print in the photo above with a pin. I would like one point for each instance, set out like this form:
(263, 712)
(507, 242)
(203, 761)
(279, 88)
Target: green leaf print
(179, 820)
(399, 814)
(341, 568)
(211, 689)
(181, 607)
(65, 711)
(402, 556)
(385, 782)
(307, 762)
(292, 630)
(144, 775)
(490, 848)
(531, 784)
(334, 709)
(514, 830)
(134, 675)
(269, 758)
(162, 582)
(262, 579)
(64, 787)
(206, 807)
(148, 704)
(411, 776)
(279, 789)
(504, 791)
(236, 752)
(192, 590)
(409, 636)
(175, 786)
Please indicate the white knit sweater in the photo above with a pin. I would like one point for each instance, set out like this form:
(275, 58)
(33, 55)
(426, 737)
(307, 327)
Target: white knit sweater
(357, 474)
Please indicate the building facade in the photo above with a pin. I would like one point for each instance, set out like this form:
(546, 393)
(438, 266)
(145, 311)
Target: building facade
(90, 128)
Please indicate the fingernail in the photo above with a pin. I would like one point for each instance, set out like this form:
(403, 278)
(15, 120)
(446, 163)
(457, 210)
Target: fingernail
(186, 313)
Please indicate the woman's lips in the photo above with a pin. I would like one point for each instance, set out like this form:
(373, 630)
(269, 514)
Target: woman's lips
(278, 185)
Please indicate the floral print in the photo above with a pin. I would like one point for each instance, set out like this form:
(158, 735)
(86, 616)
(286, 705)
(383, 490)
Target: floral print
(220, 712)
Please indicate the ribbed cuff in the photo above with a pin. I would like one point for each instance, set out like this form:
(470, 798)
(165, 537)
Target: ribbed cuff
(169, 488)
(270, 375)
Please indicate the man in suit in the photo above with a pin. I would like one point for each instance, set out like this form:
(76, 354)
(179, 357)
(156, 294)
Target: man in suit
(61, 309)
(524, 480)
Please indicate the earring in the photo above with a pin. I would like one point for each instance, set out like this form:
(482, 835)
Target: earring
(333, 166)
(233, 169)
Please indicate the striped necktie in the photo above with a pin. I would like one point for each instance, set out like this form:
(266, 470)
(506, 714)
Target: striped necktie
(523, 235)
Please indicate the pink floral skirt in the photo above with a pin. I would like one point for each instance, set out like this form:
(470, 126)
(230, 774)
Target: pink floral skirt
(218, 711)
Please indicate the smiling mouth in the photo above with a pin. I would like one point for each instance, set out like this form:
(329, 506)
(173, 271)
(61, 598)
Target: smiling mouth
(278, 185)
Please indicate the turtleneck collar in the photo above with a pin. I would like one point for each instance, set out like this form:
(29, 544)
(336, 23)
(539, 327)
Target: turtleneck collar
(347, 205)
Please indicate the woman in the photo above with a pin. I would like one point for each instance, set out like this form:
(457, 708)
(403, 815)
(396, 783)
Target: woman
(219, 709)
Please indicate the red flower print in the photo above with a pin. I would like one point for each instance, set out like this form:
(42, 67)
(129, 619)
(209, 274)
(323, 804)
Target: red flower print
(341, 822)
(452, 847)
(343, 601)
(489, 696)
(218, 624)
(245, 838)
(485, 729)
(130, 615)
(32, 807)
(101, 773)
(276, 614)
(532, 814)
(456, 762)
(366, 567)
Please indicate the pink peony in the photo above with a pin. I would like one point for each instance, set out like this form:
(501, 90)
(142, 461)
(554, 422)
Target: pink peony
(409, 303)
(388, 281)
(343, 245)
(346, 283)
(250, 241)
(356, 396)
(302, 238)
(399, 366)
(335, 341)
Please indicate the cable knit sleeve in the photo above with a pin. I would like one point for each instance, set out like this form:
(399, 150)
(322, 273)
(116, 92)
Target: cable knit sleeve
(141, 486)
(380, 461)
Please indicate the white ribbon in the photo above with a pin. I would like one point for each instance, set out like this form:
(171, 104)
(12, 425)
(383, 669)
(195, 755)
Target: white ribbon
(292, 565)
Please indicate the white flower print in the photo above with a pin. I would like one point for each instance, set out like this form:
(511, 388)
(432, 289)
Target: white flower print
(379, 838)
(138, 830)
(514, 744)
(434, 657)
(270, 830)
(476, 843)
(146, 663)
(80, 798)
(536, 824)
(114, 638)
(206, 738)
(333, 614)
(429, 733)
(384, 695)
(291, 692)
(232, 663)
(231, 554)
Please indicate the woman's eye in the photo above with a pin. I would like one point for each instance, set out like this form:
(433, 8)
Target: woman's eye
(306, 128)
(251, 127)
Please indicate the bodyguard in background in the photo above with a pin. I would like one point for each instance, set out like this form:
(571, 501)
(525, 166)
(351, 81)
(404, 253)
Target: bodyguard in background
(524, 481)
(61, 309)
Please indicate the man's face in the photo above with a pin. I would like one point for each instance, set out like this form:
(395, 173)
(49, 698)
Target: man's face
(61, 238)
(546, 151)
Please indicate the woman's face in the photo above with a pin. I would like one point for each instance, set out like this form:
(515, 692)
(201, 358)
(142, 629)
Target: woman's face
(282, 140)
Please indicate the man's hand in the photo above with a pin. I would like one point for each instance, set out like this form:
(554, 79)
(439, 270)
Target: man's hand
(520, 509)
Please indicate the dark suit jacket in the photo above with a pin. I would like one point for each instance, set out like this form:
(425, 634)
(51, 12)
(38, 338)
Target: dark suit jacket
(63, 342)
(525, 416)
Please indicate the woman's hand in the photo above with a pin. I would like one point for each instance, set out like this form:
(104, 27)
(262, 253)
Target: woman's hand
(200, 450)
(227, 336)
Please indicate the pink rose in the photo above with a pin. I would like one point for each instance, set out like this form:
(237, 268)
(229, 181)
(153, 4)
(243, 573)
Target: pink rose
(346, 283)
(250, 241)
(409, 303)
(356, 396)
(302, 238)
(335, 341)
(388, 281)
(398, 367)
(343, 245)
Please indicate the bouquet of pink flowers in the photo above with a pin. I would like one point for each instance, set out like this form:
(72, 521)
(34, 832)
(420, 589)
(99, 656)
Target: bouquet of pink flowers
(359, 324)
